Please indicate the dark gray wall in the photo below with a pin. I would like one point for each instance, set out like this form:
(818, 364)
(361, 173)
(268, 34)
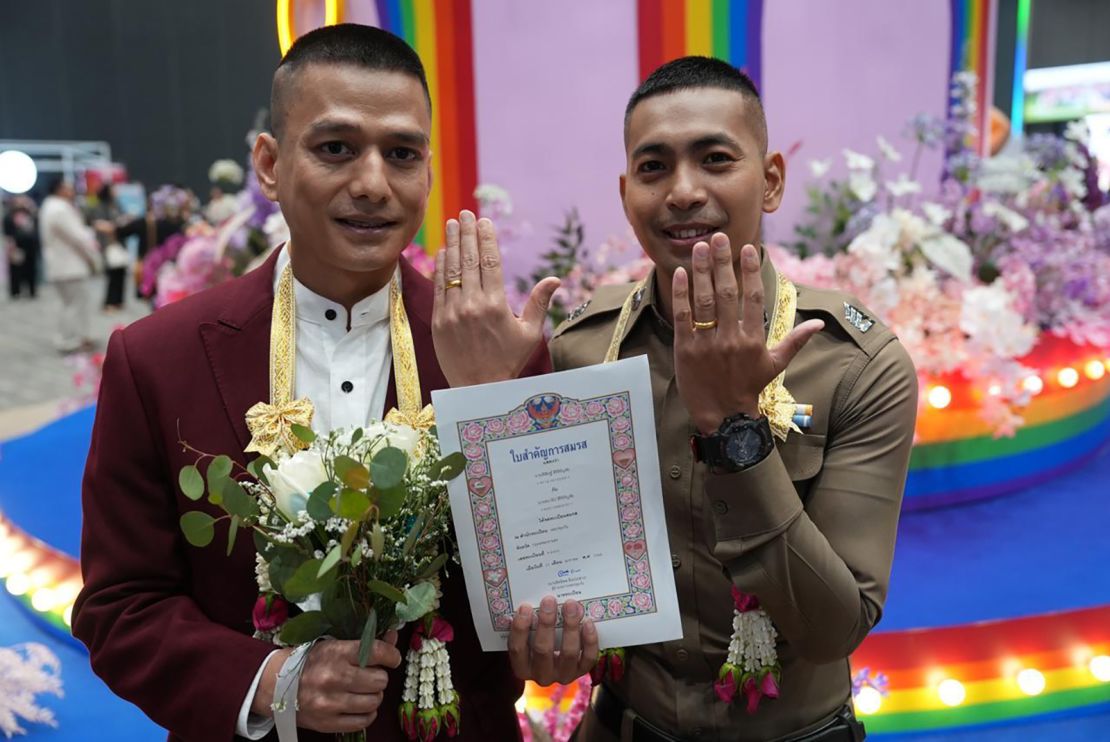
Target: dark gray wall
(171, 84)
(1069, 32)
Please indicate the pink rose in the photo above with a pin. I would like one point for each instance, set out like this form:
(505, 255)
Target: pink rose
(269, 612)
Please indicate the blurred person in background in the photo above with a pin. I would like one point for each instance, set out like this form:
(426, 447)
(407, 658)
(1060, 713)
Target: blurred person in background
(21, 245)
(70, 252)
(107, 218)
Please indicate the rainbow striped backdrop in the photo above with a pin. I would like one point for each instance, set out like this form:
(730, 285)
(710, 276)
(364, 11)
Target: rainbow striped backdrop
(974, 26)
(731, 30)
(442, 34)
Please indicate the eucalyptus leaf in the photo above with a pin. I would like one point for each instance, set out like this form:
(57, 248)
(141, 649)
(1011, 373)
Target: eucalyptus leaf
(330, 560)
(219, 470)
(348, 537)
(237, 501)
(257, 467)
(387, 468)
(419, 600)
(232, 530)
(352, 473)
(306, 580)
(197, 527)
(414, 533)
(319, 502)
(304, 434)
(387, 591)
(192, 483)
(433, 566)
(369, 635)
(356, 436)
(340, 612)
(352, 504)
(304, 628)
(283, 566)
(451, 466)
(390, 501)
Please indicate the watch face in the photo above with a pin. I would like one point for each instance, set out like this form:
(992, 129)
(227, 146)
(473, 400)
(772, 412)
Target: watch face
(744, 446)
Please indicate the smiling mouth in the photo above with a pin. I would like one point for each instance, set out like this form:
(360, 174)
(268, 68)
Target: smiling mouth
(366, 224)
(689, 232)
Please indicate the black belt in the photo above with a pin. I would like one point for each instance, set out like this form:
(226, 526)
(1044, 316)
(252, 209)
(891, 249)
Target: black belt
(609, 710)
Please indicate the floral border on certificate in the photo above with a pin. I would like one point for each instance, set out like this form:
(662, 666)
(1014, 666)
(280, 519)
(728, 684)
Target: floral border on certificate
(538, 414)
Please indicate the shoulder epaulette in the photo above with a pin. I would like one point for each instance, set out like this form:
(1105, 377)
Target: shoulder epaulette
(606, 300)
(857, 321)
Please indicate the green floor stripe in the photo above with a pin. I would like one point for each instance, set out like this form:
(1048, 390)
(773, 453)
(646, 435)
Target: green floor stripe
(951, 453)
(984, 713)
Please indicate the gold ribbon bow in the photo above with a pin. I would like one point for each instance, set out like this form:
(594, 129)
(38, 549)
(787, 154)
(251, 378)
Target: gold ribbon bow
(774, 401)
(271, 426)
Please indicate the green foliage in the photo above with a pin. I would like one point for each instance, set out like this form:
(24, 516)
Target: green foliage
(197, 527)
(192, 484)
(559, 261)
(304, 628)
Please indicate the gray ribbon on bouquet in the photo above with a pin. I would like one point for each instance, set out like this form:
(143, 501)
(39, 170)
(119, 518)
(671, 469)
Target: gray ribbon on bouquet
(285, 692)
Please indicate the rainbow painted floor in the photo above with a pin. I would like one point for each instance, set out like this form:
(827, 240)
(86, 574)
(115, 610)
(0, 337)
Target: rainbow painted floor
(979, 593)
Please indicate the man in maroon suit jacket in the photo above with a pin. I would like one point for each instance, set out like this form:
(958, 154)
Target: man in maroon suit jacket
(168, 626)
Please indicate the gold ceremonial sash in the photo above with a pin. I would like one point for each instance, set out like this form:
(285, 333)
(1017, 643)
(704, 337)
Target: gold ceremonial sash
(774, 401)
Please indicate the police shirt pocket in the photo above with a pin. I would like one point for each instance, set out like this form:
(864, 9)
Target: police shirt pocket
(802, 455)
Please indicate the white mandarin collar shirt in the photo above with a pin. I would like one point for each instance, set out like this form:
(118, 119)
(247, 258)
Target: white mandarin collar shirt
(345, 372)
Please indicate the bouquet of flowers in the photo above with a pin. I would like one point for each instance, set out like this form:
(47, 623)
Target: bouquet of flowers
(351, 533)
(969, 277)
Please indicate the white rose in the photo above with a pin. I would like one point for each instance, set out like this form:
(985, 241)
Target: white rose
(396, 436)
(294, 479)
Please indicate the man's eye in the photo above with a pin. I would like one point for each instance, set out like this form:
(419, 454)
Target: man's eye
(404, 153)
(334, 149)
(716, 158)
(650, 166)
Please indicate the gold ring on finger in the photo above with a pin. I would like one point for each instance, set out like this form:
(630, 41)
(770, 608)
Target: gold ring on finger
(454, 283)
(709, 325)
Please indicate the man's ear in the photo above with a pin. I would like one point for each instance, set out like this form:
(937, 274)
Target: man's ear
(774, 178)
(623, 183)
(264, 156)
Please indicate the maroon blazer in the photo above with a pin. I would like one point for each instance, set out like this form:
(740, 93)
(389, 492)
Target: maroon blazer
(168, 625)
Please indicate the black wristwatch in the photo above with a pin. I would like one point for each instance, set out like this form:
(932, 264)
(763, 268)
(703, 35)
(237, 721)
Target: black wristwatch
(740, 443)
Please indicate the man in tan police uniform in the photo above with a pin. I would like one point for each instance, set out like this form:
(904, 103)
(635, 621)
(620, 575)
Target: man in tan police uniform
(807, 524)
(785, 418)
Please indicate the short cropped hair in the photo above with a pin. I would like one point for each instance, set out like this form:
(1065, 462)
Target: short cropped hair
(687, 73)
(346, 43)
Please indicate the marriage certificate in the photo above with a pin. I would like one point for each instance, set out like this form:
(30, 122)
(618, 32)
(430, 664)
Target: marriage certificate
(561, 496)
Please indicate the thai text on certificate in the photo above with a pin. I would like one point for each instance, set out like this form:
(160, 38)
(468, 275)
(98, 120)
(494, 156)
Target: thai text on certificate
(561, 496)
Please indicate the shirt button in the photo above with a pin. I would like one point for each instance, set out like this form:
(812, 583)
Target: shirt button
(682, 655)
(330, 314)
(676, 472)
(347, 387)
(676, 561)
(720, 507)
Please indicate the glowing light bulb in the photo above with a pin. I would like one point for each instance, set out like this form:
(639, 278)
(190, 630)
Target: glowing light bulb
(1033, 384)
(67, 617)
(994, 390)
(1068, 377)
(43, 600)
(18, 583)
(521, 705)
(1094, 370)
(939, 397)
(41, 577)
(1031, 681)
(951, 692)
(868, 700)
(1100, 668)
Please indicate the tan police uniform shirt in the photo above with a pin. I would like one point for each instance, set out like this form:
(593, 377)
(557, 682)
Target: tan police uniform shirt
(809, 530)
